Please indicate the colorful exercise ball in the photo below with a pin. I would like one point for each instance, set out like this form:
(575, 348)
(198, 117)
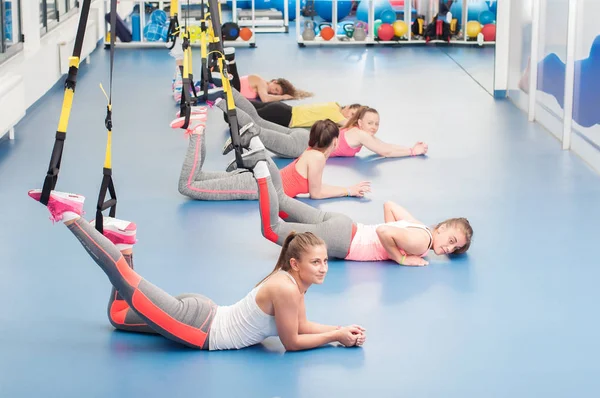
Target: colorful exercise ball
(327, 33)
(475, 7)
(489, 32)
(388, 16)
(245, 34)
(377, 23)
(473, 28)
(400, 28)
(323, 9)
(362, 11)
(486, 17)
(385, 32)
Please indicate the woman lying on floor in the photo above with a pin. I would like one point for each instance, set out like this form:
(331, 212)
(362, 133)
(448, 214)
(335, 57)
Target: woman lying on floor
(274, 307)
(303, 176)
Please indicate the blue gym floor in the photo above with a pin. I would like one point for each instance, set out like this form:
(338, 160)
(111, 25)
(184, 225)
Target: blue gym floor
(516, 317)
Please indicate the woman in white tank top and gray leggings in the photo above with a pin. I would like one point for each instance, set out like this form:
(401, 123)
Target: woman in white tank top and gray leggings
(274, 307)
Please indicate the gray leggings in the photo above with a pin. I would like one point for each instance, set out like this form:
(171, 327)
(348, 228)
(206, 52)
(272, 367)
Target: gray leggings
(212, 185)
(290, 145)
(334, 228)
(272, 135)
(185, 319)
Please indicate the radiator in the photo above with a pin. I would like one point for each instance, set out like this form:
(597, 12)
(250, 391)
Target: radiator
(12, 103)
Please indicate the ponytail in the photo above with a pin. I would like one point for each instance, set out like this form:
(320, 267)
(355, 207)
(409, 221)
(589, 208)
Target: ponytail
(294, 246)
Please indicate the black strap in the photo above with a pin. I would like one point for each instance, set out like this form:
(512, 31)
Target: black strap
(70, 83)
(234, 129)
(185, 107)
(107, 182)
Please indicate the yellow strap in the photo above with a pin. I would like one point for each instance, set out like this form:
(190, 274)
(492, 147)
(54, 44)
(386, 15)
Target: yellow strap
(65, 112)
(108, 153)
(226, 86)
(174, 7)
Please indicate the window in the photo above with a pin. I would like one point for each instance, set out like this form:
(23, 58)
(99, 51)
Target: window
(52, 12)
(10, 34)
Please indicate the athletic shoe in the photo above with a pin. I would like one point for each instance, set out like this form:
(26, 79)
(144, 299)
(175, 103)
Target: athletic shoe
(118, 231)
(60, 202)
(247, 132)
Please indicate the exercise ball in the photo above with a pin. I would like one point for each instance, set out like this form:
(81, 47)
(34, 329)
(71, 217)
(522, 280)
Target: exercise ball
(323, 9)
(377, 23)
(327, 33)
(494, 7)
(397, 3)
(243, 4)
(473, 28)
(489, 32)
(388, 16)
(279, 5)
(245, 34)
(385, 32)
(400, 28)
(362, 12)
(475, 7)
(486, 17)
(195, 33)
(263, 4)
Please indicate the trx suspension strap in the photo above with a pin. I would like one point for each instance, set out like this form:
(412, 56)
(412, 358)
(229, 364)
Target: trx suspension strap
(70, 83)
(185, 107)
(204, 72)
(173, 31)
(234, 129)
(107, 182)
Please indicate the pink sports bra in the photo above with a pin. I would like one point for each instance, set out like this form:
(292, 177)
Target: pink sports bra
(343, 149)
(366, 246)
(246, 89)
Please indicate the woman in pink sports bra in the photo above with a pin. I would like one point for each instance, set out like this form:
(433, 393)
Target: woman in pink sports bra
(304, 175)
(401, 238)
(254, 87)
(360, 131)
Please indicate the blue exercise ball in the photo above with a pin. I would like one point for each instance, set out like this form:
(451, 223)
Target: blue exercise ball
(243, 4)
(263, 4)
(388, 16)
(323, 9)
(474, 9)
(486, 17)
(362, 12)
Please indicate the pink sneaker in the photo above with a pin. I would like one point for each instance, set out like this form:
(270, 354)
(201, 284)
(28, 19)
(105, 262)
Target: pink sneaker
(196, 110)
(60, 202)
(118, 231)
(196, 125)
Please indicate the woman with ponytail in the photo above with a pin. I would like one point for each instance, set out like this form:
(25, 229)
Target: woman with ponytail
(305, 174)
(274, 307)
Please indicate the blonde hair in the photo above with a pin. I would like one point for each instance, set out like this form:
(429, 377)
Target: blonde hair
(360, 113)
(288, 88)
(294, 246)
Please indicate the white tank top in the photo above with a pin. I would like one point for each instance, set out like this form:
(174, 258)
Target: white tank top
(242, 324)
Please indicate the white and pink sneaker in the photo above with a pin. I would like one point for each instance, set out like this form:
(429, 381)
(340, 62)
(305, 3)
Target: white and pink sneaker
(119, 232)
(60, 202)
(196, 110)
(196, 125)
